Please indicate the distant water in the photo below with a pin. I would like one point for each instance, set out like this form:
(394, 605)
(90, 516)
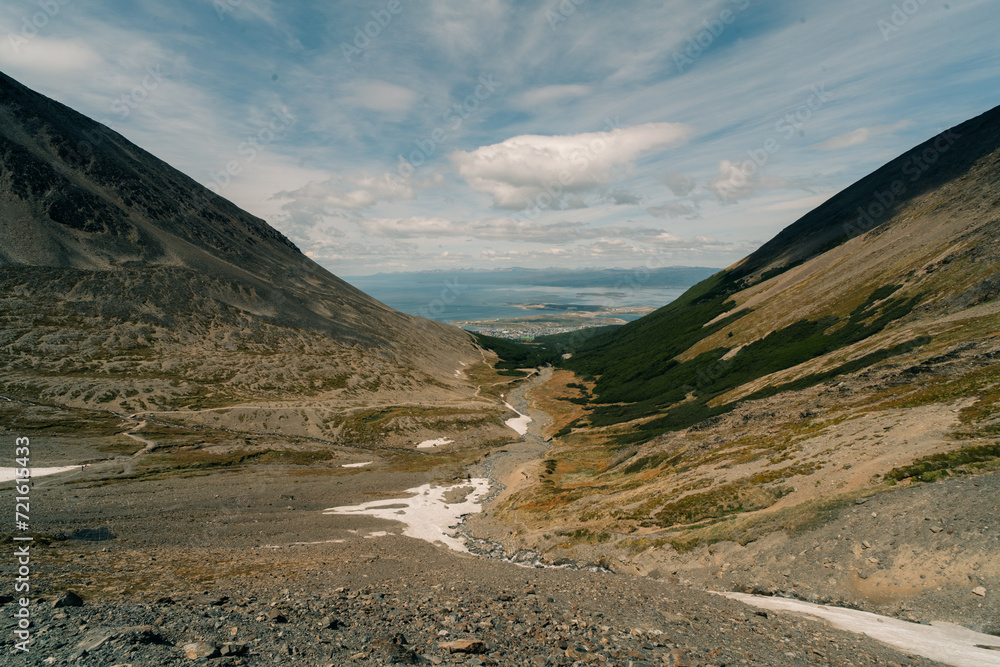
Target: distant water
(450, 301)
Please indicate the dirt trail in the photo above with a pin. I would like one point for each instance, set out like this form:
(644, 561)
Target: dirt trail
(149, 444)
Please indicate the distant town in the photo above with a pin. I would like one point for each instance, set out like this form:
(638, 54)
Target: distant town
(530, 332)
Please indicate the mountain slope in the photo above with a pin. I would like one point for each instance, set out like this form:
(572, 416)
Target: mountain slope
(744, 323)
(128, 286)
(833, 364)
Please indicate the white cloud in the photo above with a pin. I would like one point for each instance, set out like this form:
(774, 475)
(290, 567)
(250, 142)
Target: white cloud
(383, 96)
(739, 180)
(47, 56)
(672, 210)
(616, 251)
(860, 136)
(347, 192)
(624, 198)
(529, 169)
(499, 229)
(680, 184)
(546, 95)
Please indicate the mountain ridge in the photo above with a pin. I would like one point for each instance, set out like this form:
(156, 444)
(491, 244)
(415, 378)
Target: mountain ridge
(739, 428)
(129, 286)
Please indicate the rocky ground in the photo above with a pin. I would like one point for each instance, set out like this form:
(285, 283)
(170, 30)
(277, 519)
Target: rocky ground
(392, 600)
(243, 568)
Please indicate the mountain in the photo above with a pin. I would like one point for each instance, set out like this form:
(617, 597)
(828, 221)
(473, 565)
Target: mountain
(838, 276)
(852, 356)
(127, 286)
(670, 276)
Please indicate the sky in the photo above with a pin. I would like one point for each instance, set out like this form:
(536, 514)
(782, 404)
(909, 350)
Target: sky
(394, 135)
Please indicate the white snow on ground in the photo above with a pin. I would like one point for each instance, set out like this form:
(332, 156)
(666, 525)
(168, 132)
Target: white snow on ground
(519, 424)
(426, 514)
(947, 643)
(357, 465)
(10, 474)
(428, 444)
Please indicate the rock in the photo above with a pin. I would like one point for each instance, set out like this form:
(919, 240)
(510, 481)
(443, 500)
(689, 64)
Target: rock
(68, 599)
(980, 591)
(94, 640)
(140, 634)
(209, 600)
(329, 623)
(200, 651)
(276, 616)
(463, 646)
(232, 649)
(676, 658)
(398, 654)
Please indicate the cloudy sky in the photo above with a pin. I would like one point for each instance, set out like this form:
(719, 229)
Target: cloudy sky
(390, 135)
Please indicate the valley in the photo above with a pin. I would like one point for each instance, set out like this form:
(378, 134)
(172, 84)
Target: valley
(252, 461)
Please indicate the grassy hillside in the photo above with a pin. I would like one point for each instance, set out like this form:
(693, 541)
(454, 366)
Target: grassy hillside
(833, 363)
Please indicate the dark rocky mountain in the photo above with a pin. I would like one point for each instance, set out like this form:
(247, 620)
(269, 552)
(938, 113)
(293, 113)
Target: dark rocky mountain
(128, 286)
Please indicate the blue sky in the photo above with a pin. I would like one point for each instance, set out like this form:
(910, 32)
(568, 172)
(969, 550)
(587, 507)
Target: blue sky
(394, 135)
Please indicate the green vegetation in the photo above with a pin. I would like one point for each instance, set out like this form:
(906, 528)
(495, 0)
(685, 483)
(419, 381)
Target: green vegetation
(639, 376)
(748, 528)
(517, 355)
(197, 462)
(936, 466)
(572, 340)
(652, 462)
(725, 500)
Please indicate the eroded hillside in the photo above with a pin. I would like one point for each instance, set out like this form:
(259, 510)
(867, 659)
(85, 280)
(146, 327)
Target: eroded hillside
(130, 292)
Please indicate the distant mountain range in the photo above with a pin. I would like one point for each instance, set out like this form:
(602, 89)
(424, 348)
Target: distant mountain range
(671, 276)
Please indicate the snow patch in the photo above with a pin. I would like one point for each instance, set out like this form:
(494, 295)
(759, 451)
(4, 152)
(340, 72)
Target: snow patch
(519, 424)
(10, 474)
(427, 513)
(357, 465)
(428, 444)
(947, 643)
